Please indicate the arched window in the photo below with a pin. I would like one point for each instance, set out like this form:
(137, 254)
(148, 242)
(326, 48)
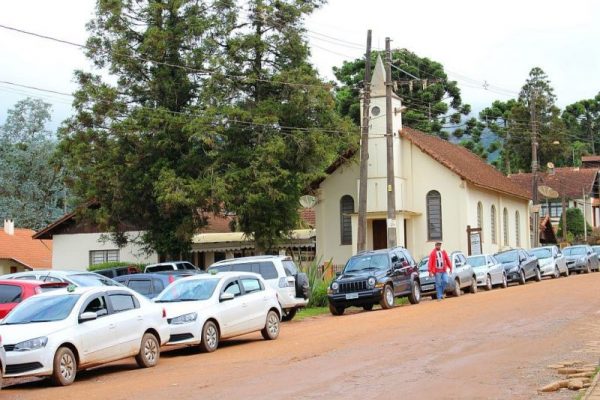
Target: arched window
(493, 223)
(479, 215)
(346, 208)
(505, 226)
(517, 229)
(434, 215)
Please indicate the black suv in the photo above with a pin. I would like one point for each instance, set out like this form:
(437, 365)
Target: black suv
(375, 277)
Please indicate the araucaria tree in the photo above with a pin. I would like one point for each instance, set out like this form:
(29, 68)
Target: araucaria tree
(215, 107)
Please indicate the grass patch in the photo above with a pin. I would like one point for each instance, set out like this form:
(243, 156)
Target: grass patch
(581, 395)
(400, 301)
(311, 312)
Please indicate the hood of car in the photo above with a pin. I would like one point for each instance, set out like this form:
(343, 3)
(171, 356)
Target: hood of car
(362, 274)
(574, 257)
(13, 334)
(510, 265)
(184, 307)
(546, 261)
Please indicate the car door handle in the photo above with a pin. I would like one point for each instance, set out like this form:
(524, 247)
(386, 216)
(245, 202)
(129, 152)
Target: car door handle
(244, 305)
(140, 318)
(111, 326)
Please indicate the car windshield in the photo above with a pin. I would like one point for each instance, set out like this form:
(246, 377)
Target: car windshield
(423, 264)
(188, 290)
(289, 267)
(42, 309)
(371, 261)
(476, 261)
(86, 280)
(596, 249)
(541, 253)
(574, 251)
(508, 256)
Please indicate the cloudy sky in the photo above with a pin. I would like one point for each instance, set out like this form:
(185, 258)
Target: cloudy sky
(477, 42)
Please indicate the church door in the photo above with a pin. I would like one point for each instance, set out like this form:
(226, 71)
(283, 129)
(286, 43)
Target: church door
(379, 234)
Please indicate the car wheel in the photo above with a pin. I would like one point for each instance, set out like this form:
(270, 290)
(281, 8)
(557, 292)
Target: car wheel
(289, 314)
(556, 272)
(64, 367)
(488, 283)
(387, 298)
(504, 281)
(336, 310)
(271, 329)
(521, 277)
(473, 287)
(415, 294)
(538, 275)
(566, 272)
(210, 337)
(149, 351)
(457, 292)
(368, 307)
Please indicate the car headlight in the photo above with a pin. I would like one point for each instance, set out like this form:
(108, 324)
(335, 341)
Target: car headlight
(184, 319)
(32, 344)
(335, 286)
(582, 259)
(514, 269)
(371, 282)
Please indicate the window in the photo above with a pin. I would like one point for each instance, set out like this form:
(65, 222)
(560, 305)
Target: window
(479, 215)
(346, 208)
(251, 285)
(10, 294)
(142, 286)
(553, 208)
(122, 302)
(493, 223)
(434, 215)
(102, 256)
(505, 226)
(517, 229)
(268, 271)
(158, 285)
(97, 305)
(233, 288)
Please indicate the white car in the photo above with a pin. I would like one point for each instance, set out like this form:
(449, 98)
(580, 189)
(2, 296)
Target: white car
(77, 278)
(279, 272)
(170, 266)
(2, 362)
(551, 261)
(56, 333)
(488, 270)
(204, 309)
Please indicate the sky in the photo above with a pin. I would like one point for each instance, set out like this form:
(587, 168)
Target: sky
(476, 41)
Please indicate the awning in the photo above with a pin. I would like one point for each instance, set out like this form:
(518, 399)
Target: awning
(232, 241)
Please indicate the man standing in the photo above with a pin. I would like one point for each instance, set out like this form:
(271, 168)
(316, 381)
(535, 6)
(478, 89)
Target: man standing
(439, 265)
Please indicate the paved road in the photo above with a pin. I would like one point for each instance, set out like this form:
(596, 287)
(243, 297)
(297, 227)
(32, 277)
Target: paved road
(492, 345)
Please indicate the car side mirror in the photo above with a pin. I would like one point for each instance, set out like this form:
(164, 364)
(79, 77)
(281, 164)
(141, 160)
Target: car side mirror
(338, 274)
(88, 316)
(226, 296)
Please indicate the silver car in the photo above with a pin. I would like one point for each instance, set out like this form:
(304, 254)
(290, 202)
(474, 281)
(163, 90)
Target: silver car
(551, 261)
(581, 258)
(488, 270)
(463, 275)
(2, 362)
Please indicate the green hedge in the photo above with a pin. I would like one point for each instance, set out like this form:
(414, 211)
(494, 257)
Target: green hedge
(115, 264)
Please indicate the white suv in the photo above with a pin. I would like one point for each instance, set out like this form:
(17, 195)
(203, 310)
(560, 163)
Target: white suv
(170, 266)
(280, 273)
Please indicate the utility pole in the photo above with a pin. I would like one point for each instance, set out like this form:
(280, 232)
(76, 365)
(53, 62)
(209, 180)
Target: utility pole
(534, 169)
(364, 153)
(584, 220)
(391, 192)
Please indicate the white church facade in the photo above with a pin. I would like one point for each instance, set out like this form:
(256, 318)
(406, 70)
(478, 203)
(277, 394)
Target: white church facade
(440, 188)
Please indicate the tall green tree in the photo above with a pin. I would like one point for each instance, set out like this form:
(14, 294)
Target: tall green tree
(432, 100)
(32, 191)
(582, 120)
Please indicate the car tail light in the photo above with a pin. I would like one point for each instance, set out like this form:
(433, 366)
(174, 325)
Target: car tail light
(287, 281)
(171, 279)
(164, 313)
(0, 340)
(405, 263)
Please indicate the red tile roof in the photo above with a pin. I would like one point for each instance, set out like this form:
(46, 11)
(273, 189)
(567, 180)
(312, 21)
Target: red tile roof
(22, 248)
(464, 163)
(217, 224)
(570, 181)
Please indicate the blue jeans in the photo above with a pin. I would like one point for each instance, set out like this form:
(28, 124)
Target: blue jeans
(441, 280)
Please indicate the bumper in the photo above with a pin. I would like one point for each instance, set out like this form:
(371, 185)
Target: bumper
(185, 334)
(291, 301)
(29, 363)
(481, 280)
(513, 276)
(355, 299)
(428, 287)
(576, 266)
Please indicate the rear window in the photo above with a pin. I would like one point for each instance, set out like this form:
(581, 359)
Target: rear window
(267, 270)
(188, 266)
(157, 268)
(289, 267)
(10, 294)
(142, 286)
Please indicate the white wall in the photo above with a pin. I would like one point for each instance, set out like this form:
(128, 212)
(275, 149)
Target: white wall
(6, 264)
(73, 251)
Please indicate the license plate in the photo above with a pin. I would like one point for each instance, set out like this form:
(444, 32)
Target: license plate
(351, 296)
(427, 287)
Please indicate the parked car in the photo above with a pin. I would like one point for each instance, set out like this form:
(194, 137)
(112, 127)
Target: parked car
(77, 278)
(596, 250)
(280, 273)
(117, 271)
(374, 277)
(581, 258)
(2, 362)
(462, 276)
(59, 332)
(150, 285)
(488, 270)
(13, 291)
(551, 261)
(170, 266)
(205, 309)
(519, 265)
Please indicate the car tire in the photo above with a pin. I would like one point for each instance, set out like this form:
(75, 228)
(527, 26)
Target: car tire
(336, 310)
(488, 283)
(504, 282)
(456, 292)
(566, 273)
(473, 288)
(289, 314)
(556, 272)
(271, 329)
(149, 351)
(64, 367)
(522, 279)
(538, 275)
(368, 307)
(210, 337)
(415, 293)
(387, 297)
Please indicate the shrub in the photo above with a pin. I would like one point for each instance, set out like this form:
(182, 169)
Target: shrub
(318, 283)
(115, 264)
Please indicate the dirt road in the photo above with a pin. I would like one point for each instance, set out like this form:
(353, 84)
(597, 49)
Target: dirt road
(492, 345)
